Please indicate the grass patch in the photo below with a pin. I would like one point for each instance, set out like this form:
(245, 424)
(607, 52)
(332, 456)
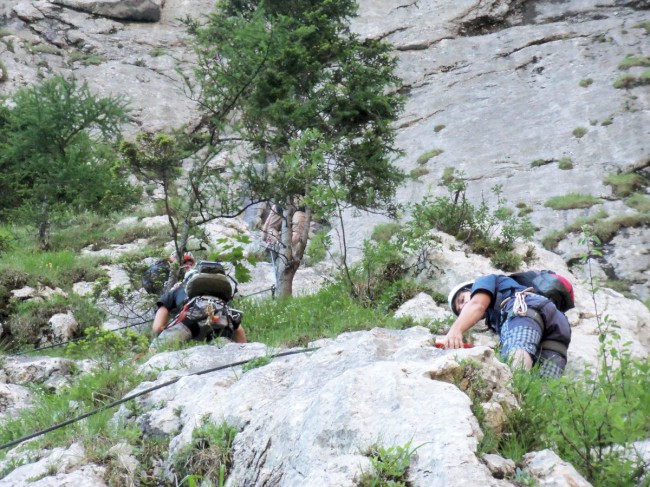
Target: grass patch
(633, 61)
(579, 132)
(300, 320)
(643, 25)
(88, 392)
(608, 121)
(208, 456)
(586, 82)
(624, 184)
(157, 52)
(626, 81)
(565, 163)
(44, 49)
(384, 232)
(438, 128)
(640, 202)
(418, 172)
(644, 79)
(425, 157)
(540, 162)
(571, 201)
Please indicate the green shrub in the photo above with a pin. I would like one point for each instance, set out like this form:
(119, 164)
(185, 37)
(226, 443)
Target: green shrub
(608, 121)
(317, 247)
(438, 128)
(29, 320)
(486, 231)
(565, 163)
(572, 201)
(209, 455)
(44, 49)
(632, 61)
(579, 132)
(590, 423)
(625, 82)
(586, 82)
(424, 158)
(644, 25)
(624, 184)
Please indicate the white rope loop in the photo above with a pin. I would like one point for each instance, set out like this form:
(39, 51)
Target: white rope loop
(520, 307)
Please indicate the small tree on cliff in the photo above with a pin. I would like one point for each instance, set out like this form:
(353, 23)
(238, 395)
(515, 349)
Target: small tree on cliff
(57, 155)
(313, 103)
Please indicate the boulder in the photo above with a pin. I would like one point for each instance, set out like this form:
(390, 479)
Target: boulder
(64, 326)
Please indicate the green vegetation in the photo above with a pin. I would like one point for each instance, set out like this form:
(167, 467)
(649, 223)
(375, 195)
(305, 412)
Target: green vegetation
(56, 154)
(644, 25)
(624, 184)
(320, 98)
(418, 172)
(44, 49)
(579, 132)
(632, 61)
(572, 201)
(438, 128)
(626, 81)
(89, 391)
(540, 162)
(565, 163)
(390, 466)
(385, 231)
(488, 232)
(608, 121)
(425, 157)
(640, 202)
(300, 320)
(317, 247)
(157, 52)
(586, 82)
(208, 456)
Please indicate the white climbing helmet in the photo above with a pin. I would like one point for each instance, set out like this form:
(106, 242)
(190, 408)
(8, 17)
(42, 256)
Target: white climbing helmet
(467, 285)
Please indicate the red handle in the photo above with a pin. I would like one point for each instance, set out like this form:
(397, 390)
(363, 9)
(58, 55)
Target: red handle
(465, 345)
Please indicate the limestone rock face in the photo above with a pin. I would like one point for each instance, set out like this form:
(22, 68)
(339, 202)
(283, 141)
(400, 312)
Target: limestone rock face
(134, 10)
(305, 419)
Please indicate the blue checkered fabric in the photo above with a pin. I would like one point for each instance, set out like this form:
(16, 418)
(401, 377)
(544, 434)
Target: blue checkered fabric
(524, 333)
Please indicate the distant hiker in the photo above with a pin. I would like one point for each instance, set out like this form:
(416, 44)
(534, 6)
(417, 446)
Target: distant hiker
(156, 275)
(272, 228)
(531, 328)
(200, 308)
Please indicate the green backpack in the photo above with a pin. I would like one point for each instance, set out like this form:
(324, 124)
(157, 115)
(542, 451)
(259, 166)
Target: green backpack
(209, 279)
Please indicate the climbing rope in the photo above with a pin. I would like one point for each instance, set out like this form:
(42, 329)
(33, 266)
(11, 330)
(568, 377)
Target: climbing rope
(520, 307)
(142, 393)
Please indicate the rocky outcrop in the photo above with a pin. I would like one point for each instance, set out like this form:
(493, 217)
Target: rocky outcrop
(130, 10)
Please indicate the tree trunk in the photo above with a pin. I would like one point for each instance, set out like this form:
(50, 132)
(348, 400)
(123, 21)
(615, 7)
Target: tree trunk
(290, 257)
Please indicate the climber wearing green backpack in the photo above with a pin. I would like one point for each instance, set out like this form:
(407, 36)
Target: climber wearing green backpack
(531, 328)
(200, 309)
